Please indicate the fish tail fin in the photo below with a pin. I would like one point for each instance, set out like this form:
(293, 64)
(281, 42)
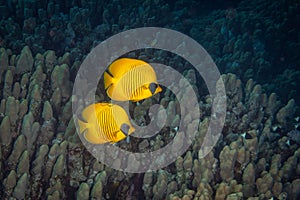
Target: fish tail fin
(82, 126)
(108, 80)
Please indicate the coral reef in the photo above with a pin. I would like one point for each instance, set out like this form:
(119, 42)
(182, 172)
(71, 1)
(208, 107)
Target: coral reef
(42, 156)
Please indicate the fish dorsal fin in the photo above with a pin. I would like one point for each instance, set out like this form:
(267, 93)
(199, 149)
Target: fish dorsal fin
(121, 66)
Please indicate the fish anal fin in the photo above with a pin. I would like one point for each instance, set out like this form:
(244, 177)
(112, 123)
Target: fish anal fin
(137, 100)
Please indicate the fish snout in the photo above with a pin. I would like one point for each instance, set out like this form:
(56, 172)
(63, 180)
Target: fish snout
(159, 89)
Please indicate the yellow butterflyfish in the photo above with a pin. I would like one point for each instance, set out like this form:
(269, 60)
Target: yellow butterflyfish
(105, 122)
(130, 79)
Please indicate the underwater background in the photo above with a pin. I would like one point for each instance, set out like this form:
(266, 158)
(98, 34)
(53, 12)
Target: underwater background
(255, 45)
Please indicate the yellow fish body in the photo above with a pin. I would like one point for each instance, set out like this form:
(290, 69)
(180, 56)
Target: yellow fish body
(130, 79)
(105, 122)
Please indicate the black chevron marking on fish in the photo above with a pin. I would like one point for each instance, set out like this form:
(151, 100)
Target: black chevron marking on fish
(109, 72)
